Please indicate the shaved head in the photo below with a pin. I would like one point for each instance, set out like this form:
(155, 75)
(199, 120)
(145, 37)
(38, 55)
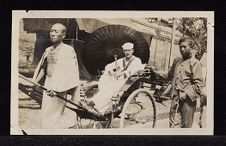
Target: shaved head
(57, 33)
(59, 26)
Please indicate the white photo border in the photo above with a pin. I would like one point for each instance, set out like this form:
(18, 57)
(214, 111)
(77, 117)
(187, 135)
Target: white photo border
(17, 15)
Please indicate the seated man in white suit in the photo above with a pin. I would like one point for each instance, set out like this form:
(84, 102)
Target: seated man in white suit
(114, 77)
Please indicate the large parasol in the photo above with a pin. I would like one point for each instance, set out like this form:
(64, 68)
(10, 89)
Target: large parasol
(107, 41)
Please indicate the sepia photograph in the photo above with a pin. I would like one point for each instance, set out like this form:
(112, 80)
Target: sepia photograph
(112, 73)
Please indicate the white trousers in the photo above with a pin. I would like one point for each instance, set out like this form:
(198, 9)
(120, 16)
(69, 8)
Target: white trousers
(107, 87)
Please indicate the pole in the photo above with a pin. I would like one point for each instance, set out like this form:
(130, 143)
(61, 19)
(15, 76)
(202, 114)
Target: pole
(156, 44)
(116, 65)
(98, 115)
(172, 43)
(43, 88)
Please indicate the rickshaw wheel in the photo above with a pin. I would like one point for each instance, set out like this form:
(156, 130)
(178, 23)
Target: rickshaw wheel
(139, 110)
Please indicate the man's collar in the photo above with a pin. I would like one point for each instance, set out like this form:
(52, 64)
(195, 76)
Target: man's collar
(60, 44)
(129, 59)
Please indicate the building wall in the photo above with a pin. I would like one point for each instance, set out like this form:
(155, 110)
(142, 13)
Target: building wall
(160, 53)
(26, 46)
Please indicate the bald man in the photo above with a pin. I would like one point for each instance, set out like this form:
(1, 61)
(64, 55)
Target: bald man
(59, 69)
(114, 77)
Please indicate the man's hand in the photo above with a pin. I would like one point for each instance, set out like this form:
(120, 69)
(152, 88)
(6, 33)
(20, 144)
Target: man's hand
(111, 73)
(51, 93)
(182, 96)
(204, 92)
(122, 74)
(34, 87)
(203, 97)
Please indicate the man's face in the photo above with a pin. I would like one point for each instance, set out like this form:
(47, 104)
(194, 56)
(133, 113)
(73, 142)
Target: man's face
(128, 52)
(56, 34)
(185, 49)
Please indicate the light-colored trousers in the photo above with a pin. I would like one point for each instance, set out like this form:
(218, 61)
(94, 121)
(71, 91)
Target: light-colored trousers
(51, 110)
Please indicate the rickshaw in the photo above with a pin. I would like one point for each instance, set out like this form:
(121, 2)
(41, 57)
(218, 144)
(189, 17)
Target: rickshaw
(133, 106)
(134, 103)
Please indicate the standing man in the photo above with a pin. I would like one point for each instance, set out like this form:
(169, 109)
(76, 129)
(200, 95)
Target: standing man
(187, 85)
(58, 68)
(187, 81)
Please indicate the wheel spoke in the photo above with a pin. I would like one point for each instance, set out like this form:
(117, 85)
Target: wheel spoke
(139, 111)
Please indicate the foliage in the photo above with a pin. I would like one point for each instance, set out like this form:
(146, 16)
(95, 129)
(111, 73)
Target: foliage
(196, 28)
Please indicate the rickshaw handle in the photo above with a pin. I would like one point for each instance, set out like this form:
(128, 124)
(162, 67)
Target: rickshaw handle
(44, 88)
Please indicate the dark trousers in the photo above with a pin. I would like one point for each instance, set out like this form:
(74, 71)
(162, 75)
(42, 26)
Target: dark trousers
(182, 113)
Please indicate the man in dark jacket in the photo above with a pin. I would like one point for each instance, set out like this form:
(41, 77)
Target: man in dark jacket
(187, 85)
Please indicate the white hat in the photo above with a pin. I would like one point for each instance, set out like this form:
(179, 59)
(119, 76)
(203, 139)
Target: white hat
(128, 45)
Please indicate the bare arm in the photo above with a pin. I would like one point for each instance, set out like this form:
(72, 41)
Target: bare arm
(40, 75)
(163, 74)
(76, 94)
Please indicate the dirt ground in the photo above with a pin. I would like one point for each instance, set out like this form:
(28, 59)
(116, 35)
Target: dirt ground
(29, 115)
